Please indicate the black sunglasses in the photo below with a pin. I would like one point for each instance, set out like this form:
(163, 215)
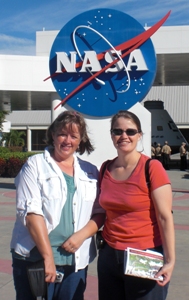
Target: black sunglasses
(129, 131)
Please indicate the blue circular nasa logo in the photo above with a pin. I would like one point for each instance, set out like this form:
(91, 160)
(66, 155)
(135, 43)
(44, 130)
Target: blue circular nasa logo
(102, 61)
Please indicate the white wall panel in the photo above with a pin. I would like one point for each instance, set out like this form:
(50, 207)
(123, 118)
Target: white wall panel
(24, 73)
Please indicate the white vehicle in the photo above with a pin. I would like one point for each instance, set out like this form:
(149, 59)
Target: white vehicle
(163, 127)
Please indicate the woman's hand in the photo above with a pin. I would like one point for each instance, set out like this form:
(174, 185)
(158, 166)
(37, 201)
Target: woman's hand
(73, 243)
(50, 269)
(166, 271)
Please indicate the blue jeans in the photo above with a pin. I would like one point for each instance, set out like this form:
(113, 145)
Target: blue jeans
(113, 284)
(21, 282)
(71, 288)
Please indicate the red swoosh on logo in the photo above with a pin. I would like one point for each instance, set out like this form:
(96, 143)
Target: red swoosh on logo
(132, 44)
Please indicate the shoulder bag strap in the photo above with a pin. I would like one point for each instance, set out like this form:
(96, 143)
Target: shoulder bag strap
(147, 174)
(102, 171)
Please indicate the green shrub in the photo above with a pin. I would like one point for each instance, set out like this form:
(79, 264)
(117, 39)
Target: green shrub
(4, 150)
(13, 162)
(2, 165)
(14, 166)
(20, 155)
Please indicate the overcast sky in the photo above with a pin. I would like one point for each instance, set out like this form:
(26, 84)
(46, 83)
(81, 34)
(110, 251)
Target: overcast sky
(19, 19)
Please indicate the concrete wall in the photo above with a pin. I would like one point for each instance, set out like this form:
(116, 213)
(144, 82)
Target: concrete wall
(168, 39)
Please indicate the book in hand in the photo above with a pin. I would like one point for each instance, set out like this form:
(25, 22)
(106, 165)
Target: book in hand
(143, 264)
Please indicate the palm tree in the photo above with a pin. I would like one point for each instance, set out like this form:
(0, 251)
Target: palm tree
(14, 138)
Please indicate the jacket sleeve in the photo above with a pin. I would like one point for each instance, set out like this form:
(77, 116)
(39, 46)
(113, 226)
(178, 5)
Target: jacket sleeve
(28, 196)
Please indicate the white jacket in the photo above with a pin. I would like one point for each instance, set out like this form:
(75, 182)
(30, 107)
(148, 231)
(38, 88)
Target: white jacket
(42, 189)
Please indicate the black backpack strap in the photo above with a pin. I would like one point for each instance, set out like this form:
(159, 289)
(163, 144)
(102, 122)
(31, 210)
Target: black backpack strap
(147, 174)
(102, 171)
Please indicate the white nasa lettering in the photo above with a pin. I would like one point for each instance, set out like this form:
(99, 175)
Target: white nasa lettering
(136, 60)
(63, 60)
(109, 57)
(90, 61)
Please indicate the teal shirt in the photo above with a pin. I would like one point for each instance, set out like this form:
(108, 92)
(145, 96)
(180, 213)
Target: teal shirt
(61, 233)
(65, 228)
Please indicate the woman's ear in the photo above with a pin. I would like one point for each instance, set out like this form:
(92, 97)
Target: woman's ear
(139, 136)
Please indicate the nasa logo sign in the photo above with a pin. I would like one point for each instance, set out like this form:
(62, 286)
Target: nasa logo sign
(102, 61)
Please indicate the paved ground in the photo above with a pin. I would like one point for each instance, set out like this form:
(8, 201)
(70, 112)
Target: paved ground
(179, 288)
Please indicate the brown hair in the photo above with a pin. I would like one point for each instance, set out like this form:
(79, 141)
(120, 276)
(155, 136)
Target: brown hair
(127, 115)
(71, 117)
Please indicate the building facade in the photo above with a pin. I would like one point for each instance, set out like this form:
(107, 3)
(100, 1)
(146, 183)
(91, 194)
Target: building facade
(31, 100)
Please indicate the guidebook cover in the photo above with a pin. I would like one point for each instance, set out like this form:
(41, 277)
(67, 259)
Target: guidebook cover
(143, 263)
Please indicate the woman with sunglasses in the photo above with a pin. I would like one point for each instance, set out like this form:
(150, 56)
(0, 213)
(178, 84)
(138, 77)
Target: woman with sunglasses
(135, 217)
(57, 212)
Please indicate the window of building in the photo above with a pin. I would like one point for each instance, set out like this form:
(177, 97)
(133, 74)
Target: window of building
(38, 140)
